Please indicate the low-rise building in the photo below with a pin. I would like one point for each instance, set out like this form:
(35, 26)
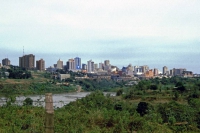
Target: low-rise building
(63, 76)
(187, 74)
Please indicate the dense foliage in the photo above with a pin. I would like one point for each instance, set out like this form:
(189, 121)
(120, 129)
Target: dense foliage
(156, 105)
(16, 72)
(99, 113)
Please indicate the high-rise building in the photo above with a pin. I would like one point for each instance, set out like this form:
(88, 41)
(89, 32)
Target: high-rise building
(178, 71)
(6, 62)
(149, 74)
(138, 70)
(172, 72)
(101, 65)
(77, 63)
(107, 65)
(40, 65)
(95, 66)
(27, 61)
(59, 64)
(90, 66)
(84, 67)
(71, 64)
(106, 62)
(145, 68)
(129, 70)
(155, 71)
(165, 69)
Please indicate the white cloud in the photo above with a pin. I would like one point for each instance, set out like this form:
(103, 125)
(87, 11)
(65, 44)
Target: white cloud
(100, 27)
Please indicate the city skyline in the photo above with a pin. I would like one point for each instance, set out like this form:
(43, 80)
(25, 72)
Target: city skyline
(71, 65)
(154, 33)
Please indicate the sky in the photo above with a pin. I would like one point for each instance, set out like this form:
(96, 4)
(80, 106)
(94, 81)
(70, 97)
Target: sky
(156, 33)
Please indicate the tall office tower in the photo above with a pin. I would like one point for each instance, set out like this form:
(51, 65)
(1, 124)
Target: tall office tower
(27, 61)
(165, 69)
(77, 63)
(155, 71)
(90, 66)
(40, 65)
(71, 64)
(101, 65)
(145, 68)
(84, 67)
(6, 62)
(0, 64)
(59, 64)
(106, 62)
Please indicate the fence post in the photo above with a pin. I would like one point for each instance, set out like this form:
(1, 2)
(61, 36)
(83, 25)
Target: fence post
(49, 113)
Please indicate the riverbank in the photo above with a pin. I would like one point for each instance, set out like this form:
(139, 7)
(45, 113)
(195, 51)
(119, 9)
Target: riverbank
(99, 113)
(59, 100)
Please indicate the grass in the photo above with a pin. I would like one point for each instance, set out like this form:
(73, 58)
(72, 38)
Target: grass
(37, 77)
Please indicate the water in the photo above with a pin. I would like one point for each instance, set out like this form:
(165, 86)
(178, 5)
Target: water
(59, 100)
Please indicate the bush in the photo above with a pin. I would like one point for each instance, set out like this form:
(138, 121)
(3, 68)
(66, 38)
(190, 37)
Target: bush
(142, 108)
(119, 92)
(28, 101)
(153, 87)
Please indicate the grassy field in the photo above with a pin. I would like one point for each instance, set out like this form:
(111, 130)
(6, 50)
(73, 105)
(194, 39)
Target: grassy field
(37, 77)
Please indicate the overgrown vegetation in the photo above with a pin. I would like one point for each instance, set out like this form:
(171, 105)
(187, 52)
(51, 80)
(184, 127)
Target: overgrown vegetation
(156, 105)
(15, 72)
(99, 113)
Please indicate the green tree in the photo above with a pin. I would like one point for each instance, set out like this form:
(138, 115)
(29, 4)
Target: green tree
(142, 108)
(28, 101)
(119, 92)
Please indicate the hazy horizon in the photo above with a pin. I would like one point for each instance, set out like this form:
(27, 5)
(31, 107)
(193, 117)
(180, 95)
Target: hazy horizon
(154, 33)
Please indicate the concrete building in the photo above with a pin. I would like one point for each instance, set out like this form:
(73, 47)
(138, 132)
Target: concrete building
(6, 62)
(129, 70)
(101, 66)
(77, 61)
(63, 76)
(95, 66)
(138, 70)
(71, 64)
(27, 61)
(165, 70)
(145, 68)
(51, 69)
(106, 62)
(90, 66)
(84, 67)
(40, 65)
(171, 72)
(149, 74)
(59, 64)
(178, 71)
(155, 71)
(187, 74)
(107, 65)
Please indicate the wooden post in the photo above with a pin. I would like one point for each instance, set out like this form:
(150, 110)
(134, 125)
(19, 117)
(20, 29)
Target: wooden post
(49, 113)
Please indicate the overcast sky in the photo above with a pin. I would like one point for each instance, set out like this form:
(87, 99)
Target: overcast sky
(141, 32)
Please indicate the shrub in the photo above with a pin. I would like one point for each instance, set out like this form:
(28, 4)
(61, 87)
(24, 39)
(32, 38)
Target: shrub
(28, 101)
